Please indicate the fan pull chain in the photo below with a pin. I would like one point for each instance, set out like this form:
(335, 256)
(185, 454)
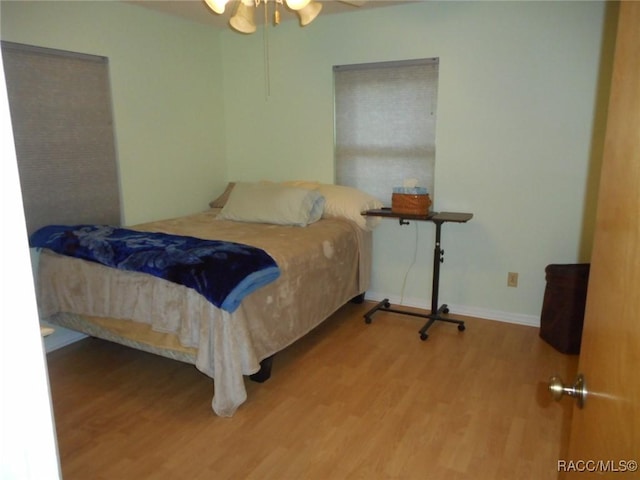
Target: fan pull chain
(265, 35)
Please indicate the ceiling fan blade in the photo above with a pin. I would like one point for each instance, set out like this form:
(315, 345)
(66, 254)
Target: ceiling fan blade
(355, 3)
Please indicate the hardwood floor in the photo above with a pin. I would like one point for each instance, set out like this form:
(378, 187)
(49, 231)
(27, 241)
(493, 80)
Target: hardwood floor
(350, 400)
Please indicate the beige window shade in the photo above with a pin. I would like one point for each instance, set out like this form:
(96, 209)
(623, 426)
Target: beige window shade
(385, 125)
(61, 114)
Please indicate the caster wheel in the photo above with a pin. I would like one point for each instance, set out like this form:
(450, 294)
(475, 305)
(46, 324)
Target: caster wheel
(367, 320)
(387, 305)
(423, 336)
(445, 311)
(461, 328)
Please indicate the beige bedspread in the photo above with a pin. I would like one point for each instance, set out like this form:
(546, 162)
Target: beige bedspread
(322, 265)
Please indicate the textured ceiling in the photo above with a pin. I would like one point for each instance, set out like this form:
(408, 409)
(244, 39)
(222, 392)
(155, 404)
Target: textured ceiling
(197, 11)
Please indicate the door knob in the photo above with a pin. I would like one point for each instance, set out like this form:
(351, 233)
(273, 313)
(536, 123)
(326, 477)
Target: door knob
(578, 390)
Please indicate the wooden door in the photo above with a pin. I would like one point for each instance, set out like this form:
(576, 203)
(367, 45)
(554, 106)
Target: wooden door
(605, 434)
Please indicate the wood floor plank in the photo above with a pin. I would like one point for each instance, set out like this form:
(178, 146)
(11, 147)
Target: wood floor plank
(350, 400)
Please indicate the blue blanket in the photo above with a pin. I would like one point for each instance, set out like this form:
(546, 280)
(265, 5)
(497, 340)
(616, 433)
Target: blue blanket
(223, 272)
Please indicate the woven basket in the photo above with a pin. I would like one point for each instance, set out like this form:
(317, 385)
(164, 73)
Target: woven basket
(410, 204)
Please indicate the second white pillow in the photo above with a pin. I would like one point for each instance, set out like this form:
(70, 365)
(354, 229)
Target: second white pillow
(273, 203)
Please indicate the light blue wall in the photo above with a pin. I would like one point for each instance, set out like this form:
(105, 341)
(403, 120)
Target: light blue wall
(515, 136)
(520, 124)
(168, 113)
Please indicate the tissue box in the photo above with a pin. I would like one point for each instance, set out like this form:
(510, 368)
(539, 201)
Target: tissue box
(410, 200)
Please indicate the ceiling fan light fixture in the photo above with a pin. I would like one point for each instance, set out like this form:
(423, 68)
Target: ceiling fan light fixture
(308, 13)
(216, 5)
(244, 19)
(297, 4)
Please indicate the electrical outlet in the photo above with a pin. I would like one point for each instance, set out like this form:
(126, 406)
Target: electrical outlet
(512, 279)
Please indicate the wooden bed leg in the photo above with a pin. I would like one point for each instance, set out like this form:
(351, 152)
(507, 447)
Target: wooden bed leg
(358, 298)
(265, 370)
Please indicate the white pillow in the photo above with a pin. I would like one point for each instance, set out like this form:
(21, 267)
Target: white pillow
(348, 202)
(273, 203)
(306, 184)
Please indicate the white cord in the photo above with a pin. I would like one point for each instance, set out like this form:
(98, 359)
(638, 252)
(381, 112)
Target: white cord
(413, 262)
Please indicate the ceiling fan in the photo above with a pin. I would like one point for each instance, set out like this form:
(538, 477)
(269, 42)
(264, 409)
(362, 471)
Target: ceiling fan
(243, 20)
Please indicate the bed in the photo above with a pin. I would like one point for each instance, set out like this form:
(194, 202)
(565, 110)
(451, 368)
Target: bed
(323, 263)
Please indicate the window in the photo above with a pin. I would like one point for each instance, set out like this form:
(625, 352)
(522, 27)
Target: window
(60, 105)
(385, 125)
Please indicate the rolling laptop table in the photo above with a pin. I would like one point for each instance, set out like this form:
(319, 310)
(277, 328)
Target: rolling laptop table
(436, 313)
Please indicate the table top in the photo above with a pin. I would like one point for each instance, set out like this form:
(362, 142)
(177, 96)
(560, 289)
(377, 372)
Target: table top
(458, 217)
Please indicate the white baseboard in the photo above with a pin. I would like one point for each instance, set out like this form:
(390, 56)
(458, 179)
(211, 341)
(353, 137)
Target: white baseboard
(507, 317)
